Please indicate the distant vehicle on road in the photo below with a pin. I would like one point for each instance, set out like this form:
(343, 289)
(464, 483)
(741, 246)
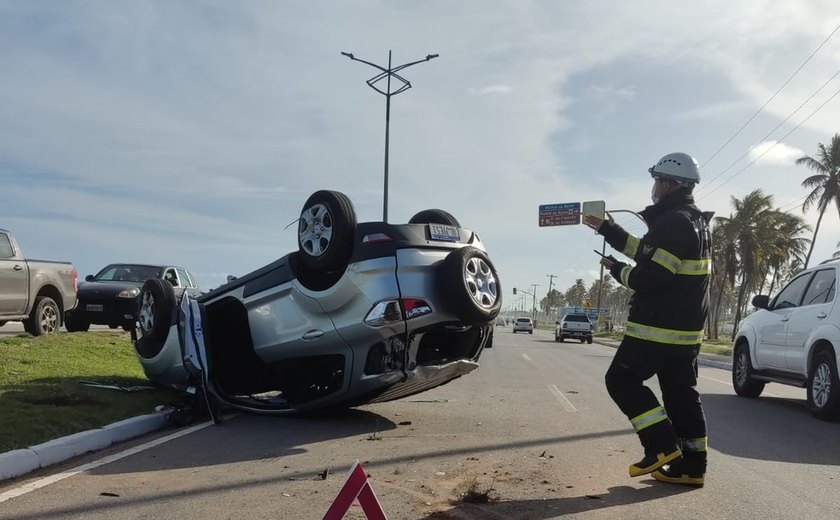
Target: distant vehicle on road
(110, 297)
(577, 326)
(34, 292)
(794, 339)
(523, 325)
(360, 313)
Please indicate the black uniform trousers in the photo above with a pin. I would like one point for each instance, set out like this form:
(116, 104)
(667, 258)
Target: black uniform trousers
(676, 368)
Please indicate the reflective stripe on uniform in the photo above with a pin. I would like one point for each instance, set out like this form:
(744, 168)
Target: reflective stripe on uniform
(666, 260)
(631, 246)
(660, 335)
(649, 418)
(624, 275)
(695, 267)
(698, 444)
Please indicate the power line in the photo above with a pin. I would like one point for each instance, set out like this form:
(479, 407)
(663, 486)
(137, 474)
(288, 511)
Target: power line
(771, 97)
(763, 139)
(771, 147)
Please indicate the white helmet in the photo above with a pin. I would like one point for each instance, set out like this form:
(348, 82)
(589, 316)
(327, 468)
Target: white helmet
(677, 166)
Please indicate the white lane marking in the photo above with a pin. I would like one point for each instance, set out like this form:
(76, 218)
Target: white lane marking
(52, 479)
(562, 398)
(529, 360)
(729, 383)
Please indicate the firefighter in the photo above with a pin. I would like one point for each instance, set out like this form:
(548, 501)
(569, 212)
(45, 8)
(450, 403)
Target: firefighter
(665, 323)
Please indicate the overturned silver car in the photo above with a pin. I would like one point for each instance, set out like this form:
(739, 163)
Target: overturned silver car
(361, 313)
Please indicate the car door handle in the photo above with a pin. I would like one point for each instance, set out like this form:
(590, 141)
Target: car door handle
(312, 334)
(822, 315)
(18, 267)
(784, 319)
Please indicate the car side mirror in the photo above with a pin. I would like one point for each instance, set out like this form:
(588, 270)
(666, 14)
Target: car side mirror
(88, 277)
(557, 322)
(761, 301)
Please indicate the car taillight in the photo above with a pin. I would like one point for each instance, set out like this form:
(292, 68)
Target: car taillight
(413, 308)
(391, 311)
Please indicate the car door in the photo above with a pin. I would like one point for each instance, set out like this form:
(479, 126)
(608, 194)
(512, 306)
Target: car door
(187, 281)
(14, 280)
(772, 326)
(811, 313)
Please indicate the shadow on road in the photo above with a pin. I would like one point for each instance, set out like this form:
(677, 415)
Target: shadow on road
(251, 437)
(770, 428)
(556, 507)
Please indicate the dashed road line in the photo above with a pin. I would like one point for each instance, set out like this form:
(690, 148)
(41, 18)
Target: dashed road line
(562, 398)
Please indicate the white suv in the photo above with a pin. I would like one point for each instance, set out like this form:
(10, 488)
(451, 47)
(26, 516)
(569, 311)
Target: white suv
(523, 325)
(794, 339)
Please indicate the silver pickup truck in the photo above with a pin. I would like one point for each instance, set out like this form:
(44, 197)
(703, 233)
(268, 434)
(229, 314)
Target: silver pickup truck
(35, 292)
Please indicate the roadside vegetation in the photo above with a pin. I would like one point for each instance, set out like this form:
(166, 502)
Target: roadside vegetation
(48, 386)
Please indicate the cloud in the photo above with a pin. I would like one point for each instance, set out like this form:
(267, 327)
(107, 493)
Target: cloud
(775, 153)
(491, 89)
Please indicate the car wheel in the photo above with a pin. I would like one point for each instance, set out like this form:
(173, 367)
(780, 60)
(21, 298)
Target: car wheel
(44, 317)
(154, 316)
(326, 230)
(434, 216)
(823, 387)
(742, 379)
(530, 332)
(470, 285)
(73, 324)
(589, 340)
(2, 323)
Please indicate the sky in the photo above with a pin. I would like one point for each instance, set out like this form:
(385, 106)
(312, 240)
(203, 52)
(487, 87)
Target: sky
(192, 132)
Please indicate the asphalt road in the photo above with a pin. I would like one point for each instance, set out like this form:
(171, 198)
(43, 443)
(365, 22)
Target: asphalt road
(534, 427)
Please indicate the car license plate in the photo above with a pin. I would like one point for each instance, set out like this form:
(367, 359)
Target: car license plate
(445, 233)
(93, 308)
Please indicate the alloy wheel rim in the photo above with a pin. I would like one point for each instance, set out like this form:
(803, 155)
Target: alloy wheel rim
(481, 283)
(146, 315)
(821, 385)
(741, 370)
(49, 320)
(315, 230)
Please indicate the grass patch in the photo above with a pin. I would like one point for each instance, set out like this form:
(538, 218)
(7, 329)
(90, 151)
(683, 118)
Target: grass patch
(40, 395)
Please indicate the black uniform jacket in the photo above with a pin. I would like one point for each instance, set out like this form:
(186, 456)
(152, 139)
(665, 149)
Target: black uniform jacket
(671, 275)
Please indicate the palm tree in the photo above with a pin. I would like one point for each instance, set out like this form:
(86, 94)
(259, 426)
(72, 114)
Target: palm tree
(786, 245)
(749, 224)
(824, 185)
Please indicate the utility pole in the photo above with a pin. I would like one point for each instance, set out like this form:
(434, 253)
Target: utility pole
(551, 278)
(390, 72)
(534, 307)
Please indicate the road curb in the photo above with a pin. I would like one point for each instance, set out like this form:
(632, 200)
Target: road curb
(710, 360)
(20, 462)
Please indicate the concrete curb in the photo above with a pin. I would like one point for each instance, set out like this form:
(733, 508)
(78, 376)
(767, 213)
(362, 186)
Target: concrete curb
(710, 360)
(19, 462)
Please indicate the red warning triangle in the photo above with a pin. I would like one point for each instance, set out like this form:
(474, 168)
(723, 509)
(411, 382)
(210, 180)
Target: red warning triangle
(356, 487)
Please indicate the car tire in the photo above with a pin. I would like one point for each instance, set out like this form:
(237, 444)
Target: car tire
(434, 216)
(44, 318)
(470, 285)
(824, 387)
(530, 332)
(742, 370)
(326, 230)
(2, 323)
(589, 341)
(73, 324)
(155, 313)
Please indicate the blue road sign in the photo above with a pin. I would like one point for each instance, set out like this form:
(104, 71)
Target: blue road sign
(564, 214)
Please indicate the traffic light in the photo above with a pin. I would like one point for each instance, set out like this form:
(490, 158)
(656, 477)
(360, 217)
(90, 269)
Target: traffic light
(514, 290)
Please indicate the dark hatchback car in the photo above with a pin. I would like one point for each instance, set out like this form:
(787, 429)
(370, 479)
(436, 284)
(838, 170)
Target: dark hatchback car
(110, 297)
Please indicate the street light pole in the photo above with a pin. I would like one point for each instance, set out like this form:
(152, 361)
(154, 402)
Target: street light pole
(387, 74)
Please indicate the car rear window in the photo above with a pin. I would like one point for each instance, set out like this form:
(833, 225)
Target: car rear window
(576, 317)
(523, 320)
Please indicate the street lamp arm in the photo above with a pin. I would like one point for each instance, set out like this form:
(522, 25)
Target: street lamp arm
(374, 65)
(427, 58)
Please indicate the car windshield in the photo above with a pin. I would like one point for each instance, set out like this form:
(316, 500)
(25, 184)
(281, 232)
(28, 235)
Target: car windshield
(127, 273)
